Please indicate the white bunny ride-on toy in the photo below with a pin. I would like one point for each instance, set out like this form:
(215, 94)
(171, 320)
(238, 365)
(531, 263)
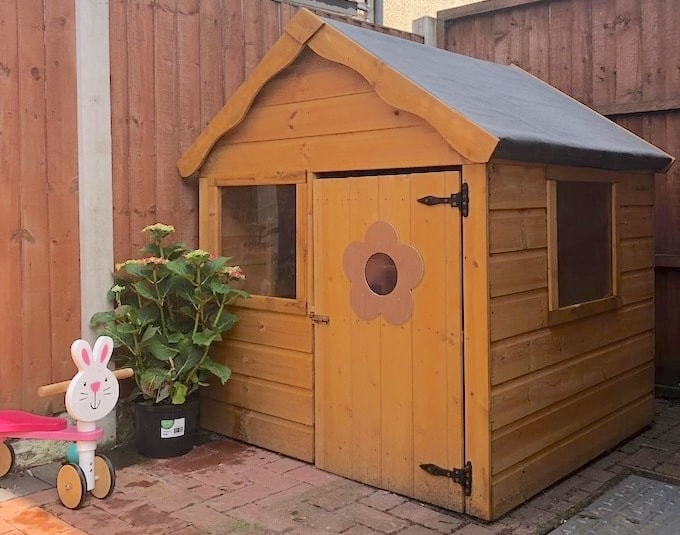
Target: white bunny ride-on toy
(90, 395)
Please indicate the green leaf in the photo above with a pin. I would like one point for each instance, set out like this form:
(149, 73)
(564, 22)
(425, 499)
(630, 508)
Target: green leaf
(222, 372)
(149, 333)
(204, 338)
(145, 289)
(181, 268)
(101, 318)
(179, 393)
(161, 351)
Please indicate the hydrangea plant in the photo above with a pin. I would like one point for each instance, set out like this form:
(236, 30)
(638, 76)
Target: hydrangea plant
(169, 309)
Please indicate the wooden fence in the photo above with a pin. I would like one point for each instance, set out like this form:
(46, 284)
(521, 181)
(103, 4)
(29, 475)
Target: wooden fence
(173, 65)
(39, 243)
(621, 58)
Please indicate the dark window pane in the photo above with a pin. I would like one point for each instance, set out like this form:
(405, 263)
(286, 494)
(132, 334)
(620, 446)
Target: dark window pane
(381, 273)
(584, 249)
(258, 233)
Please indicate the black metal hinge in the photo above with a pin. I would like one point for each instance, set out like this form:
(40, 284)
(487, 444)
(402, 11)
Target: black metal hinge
(462, 476)
(455, 200)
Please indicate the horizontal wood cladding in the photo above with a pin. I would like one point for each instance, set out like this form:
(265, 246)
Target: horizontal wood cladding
(269, 399)
(287, 331)
(532, 393)
(271, 363)
(518, 356)
(276, 434)
(546, 428)
(323, 116)
(517, 230)
(251, 393)
(528, 478)
(560, 387)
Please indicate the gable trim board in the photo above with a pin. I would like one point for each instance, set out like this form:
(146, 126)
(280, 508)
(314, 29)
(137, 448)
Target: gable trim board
(483, 110)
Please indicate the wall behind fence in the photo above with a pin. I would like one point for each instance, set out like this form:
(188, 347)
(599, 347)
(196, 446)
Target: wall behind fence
(39, 248)
(620, 57)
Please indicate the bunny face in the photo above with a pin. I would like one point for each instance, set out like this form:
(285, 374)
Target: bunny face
(93, 391)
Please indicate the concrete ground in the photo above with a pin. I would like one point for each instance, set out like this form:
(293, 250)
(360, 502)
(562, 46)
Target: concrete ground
(227, 487)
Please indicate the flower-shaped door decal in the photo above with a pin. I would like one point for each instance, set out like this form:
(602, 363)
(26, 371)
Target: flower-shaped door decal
(382, 273)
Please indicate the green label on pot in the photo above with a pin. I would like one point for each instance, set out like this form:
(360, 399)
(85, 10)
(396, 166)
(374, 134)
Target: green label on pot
(172, 428)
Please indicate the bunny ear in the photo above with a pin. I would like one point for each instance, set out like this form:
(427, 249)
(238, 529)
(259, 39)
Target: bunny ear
(103, 348)
(81, 353)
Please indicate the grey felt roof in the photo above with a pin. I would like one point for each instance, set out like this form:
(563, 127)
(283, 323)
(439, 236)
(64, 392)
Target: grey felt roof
(533, 121)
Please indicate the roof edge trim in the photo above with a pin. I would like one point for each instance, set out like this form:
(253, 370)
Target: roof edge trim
(467, 138)
(284, 51)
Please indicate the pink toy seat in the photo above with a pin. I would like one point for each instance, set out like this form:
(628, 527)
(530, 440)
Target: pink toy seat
(21, 421)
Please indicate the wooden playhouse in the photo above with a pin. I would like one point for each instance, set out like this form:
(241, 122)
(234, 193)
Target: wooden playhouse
(450, 262)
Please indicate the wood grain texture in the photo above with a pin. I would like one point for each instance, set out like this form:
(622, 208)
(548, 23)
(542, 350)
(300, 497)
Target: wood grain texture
(34, 203)
(477, 333)
(62, 170)
(10, 213)
(526, 479)
(289, 438)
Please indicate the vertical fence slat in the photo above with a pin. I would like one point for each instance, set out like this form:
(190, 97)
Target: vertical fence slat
(628, 34)
(120, 128)
(671, 34)
(581, 58)
(62, 173)
(212, 95)
(539, 40)
(234, 54)
(35, 235)
(166, 109)
(604, 52)
(252, 42)
(189, 109)
(561, 29)
(652, 70)
(10, 215)
(142, 151)
(271, 24)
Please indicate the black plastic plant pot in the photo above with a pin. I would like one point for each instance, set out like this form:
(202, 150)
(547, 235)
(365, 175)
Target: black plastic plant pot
(163, 431)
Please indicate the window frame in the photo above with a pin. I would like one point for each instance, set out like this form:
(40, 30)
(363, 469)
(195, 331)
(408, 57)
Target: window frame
(557, 314)
(297, 305)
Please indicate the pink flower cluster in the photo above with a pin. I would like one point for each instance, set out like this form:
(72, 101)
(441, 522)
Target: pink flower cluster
(142, 262)
(234, 272)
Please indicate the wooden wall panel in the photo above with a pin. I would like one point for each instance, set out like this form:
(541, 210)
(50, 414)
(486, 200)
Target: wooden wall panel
(621, 57)
(40, 281)
(543, 373)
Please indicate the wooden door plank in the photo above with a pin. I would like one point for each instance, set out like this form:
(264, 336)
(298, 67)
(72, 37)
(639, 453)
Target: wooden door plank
(333, 372)
(397, 394)
(365, 353)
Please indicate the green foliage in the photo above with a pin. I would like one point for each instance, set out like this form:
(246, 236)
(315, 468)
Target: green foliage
(170, 309)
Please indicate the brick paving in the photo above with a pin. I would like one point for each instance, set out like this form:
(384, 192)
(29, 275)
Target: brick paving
(227, 487)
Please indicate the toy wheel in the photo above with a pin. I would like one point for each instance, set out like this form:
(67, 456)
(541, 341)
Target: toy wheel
(104, 477)
(6, 458)
(71, 485)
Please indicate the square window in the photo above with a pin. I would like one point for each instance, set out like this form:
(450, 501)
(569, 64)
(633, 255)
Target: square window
(258, 233)
(584, 243)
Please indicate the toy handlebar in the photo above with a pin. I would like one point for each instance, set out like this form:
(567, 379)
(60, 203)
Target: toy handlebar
(59, 388)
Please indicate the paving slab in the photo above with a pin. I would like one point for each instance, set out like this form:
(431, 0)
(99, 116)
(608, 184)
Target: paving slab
(637, 505)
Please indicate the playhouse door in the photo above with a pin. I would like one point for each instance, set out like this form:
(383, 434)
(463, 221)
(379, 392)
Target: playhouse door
(387, 315)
